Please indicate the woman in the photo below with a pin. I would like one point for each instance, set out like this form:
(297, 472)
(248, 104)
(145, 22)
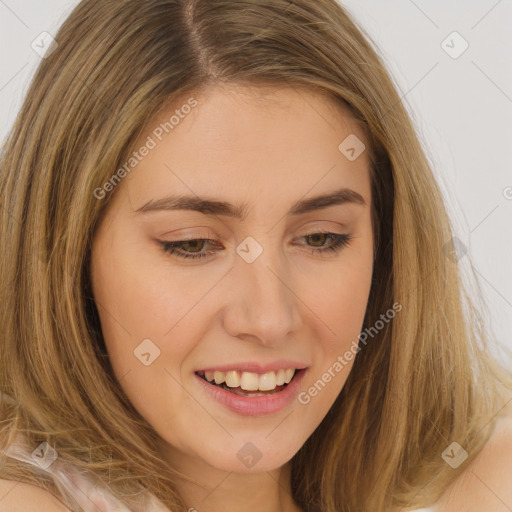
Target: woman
(227, 283)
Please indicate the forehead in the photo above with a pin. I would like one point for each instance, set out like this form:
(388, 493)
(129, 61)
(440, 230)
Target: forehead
(261, 142)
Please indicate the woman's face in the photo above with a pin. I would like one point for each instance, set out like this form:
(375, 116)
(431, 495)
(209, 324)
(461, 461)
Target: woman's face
(212, 262)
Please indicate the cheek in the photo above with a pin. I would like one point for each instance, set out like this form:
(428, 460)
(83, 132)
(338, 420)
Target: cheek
(345, 306)
(340, 310)
(147, 332)
(343, 299)
(136, 313)
(132, 295)
(342, 313)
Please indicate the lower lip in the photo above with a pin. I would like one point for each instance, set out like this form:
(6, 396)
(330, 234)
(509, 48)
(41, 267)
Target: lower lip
(255, 405)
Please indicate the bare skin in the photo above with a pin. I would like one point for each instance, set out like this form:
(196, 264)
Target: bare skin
(485, 483)
(269, 149)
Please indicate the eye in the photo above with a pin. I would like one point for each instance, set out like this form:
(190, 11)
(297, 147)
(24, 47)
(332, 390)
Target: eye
(338, 242)
(177, 248)
(186, 249)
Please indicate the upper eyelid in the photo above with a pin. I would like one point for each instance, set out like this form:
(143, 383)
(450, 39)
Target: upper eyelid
(310, 232)
(214, 242)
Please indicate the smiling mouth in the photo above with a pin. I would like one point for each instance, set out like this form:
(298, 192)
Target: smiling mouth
(249, 383)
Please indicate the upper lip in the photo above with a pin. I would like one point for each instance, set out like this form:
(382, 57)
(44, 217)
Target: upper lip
(254, 367)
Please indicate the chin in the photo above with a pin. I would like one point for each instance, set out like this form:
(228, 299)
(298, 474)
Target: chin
(252, 456)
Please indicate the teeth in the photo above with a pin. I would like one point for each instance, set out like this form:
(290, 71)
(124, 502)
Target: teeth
(268, 381)
(288, 375)
(219, 377)
(280, 377)
(250, 381)
(232, 379)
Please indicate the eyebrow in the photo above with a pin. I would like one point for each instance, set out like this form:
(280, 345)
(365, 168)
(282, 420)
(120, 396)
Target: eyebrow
(212, 206)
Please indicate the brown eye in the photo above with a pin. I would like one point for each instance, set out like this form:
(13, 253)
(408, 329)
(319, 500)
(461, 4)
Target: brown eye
(187, 248)
(194, 245)
(318, 246)
(317, 239)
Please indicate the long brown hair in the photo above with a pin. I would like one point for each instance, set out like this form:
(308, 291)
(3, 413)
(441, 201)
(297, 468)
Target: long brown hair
(412, 390)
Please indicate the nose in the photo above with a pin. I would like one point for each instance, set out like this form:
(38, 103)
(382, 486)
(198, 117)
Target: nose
(262, 305)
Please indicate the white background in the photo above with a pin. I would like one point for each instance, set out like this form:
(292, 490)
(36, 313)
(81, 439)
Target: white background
(462, 109)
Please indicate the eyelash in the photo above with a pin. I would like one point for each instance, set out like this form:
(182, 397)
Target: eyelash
(340, 241)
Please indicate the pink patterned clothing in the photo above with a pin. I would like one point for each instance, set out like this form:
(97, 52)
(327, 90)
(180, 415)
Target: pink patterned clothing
(82, 494)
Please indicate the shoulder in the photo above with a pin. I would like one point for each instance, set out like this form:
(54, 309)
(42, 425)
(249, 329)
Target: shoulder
(485, 483)
(20, 497)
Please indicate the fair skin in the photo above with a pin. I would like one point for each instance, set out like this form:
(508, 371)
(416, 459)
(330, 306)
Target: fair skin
(268, 149)
(485, 483)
